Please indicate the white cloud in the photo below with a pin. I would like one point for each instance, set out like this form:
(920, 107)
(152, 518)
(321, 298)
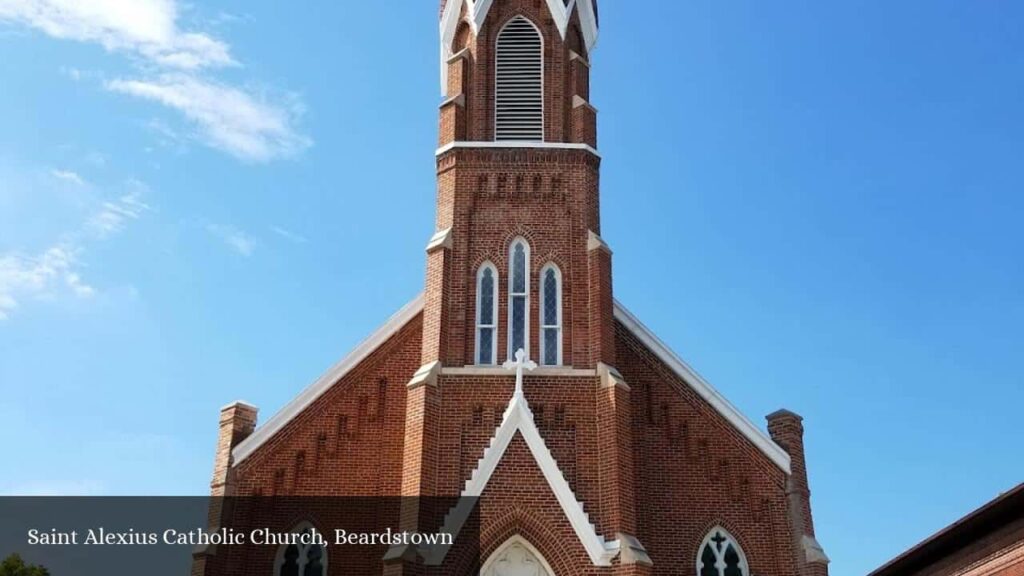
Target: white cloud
(246, 125)
(241, 124)
(39, 276)
(236, 239)
(57, 270)
(289, 235)
(147, 28)
(68, 176)
(113, 215)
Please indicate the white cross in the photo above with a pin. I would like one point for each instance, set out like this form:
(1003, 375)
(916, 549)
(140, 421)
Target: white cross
(519, 364)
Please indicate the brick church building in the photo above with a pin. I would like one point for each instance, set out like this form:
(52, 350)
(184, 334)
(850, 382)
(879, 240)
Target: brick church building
(596, 450)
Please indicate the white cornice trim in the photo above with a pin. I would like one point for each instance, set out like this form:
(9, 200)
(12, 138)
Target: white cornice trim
(514, 144)
(519, 418)
(324, 383)
(499, 371)
(477, 12)
(761, 440)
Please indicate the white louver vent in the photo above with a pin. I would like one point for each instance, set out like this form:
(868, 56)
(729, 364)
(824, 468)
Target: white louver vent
(519, 94)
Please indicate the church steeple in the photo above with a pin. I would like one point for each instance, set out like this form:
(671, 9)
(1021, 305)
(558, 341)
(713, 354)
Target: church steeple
(517, 260)
(490, 52)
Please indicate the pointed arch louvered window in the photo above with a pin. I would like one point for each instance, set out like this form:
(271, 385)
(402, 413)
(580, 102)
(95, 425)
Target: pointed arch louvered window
(519, 82)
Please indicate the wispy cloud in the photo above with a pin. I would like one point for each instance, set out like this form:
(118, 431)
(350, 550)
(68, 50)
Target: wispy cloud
(234, 238)
(176, 65)
(246, 126)
(58, 268)
(39, 276)
(113, 215)
(288, 235)
(68, 176)
(146, 28)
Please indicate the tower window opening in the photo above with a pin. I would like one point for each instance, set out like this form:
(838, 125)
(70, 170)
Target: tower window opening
(519, 82)
(551, 316)
(519, 298)
(486, 314)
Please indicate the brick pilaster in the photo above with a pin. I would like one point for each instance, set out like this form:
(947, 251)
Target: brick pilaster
(237, 422)
(601, 305)
(787, 430)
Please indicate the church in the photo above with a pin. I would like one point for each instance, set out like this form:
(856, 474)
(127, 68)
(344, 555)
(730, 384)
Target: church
(516, 378)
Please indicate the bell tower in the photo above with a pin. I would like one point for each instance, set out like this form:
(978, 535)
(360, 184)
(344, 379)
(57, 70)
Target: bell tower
(518, 276)
(517, 260)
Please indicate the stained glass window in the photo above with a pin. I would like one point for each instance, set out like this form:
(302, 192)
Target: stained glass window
(721, 555)
(301, 559)
(486, 314)
(551, 316)
(519, 298)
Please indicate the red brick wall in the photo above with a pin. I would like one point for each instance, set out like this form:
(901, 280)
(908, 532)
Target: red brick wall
(695, 471)
(488, 197)
(999, 554)
(349, 441)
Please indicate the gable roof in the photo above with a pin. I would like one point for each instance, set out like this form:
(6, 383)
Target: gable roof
(701, 386)
(413, 308)
(1007, 508)
(519, 418)
(246, 447)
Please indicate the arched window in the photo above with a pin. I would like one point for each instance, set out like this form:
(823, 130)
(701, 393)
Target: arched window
(518, 297)
(519, 82)
(487, 314)
(301, 559)
(551, 316)
(721, 555)
(516, 556)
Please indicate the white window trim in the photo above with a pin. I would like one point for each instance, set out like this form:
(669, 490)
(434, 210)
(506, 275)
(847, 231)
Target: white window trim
(720, 557)
(543, 110)
(511, 295)
(494, 313)
(514, 540)
(558, 313)
(303, 551)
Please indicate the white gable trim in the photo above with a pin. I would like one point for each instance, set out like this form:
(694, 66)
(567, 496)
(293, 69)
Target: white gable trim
(706, 391)
(324, 383)
(477, 11)
(519, 418)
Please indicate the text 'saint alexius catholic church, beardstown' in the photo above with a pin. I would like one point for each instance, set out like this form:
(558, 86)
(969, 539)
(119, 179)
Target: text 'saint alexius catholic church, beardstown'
(615, 458)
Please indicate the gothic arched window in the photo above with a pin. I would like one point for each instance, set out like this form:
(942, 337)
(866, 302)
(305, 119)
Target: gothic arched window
(518, 297)
(519, 82)
(551, 316)
(721, 555)
(301, 559)
(487, 314)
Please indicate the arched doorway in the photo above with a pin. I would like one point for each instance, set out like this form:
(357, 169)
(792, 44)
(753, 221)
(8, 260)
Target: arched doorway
(516, 557)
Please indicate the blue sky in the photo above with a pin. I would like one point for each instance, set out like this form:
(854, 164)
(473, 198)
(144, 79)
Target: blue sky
(817, 204)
